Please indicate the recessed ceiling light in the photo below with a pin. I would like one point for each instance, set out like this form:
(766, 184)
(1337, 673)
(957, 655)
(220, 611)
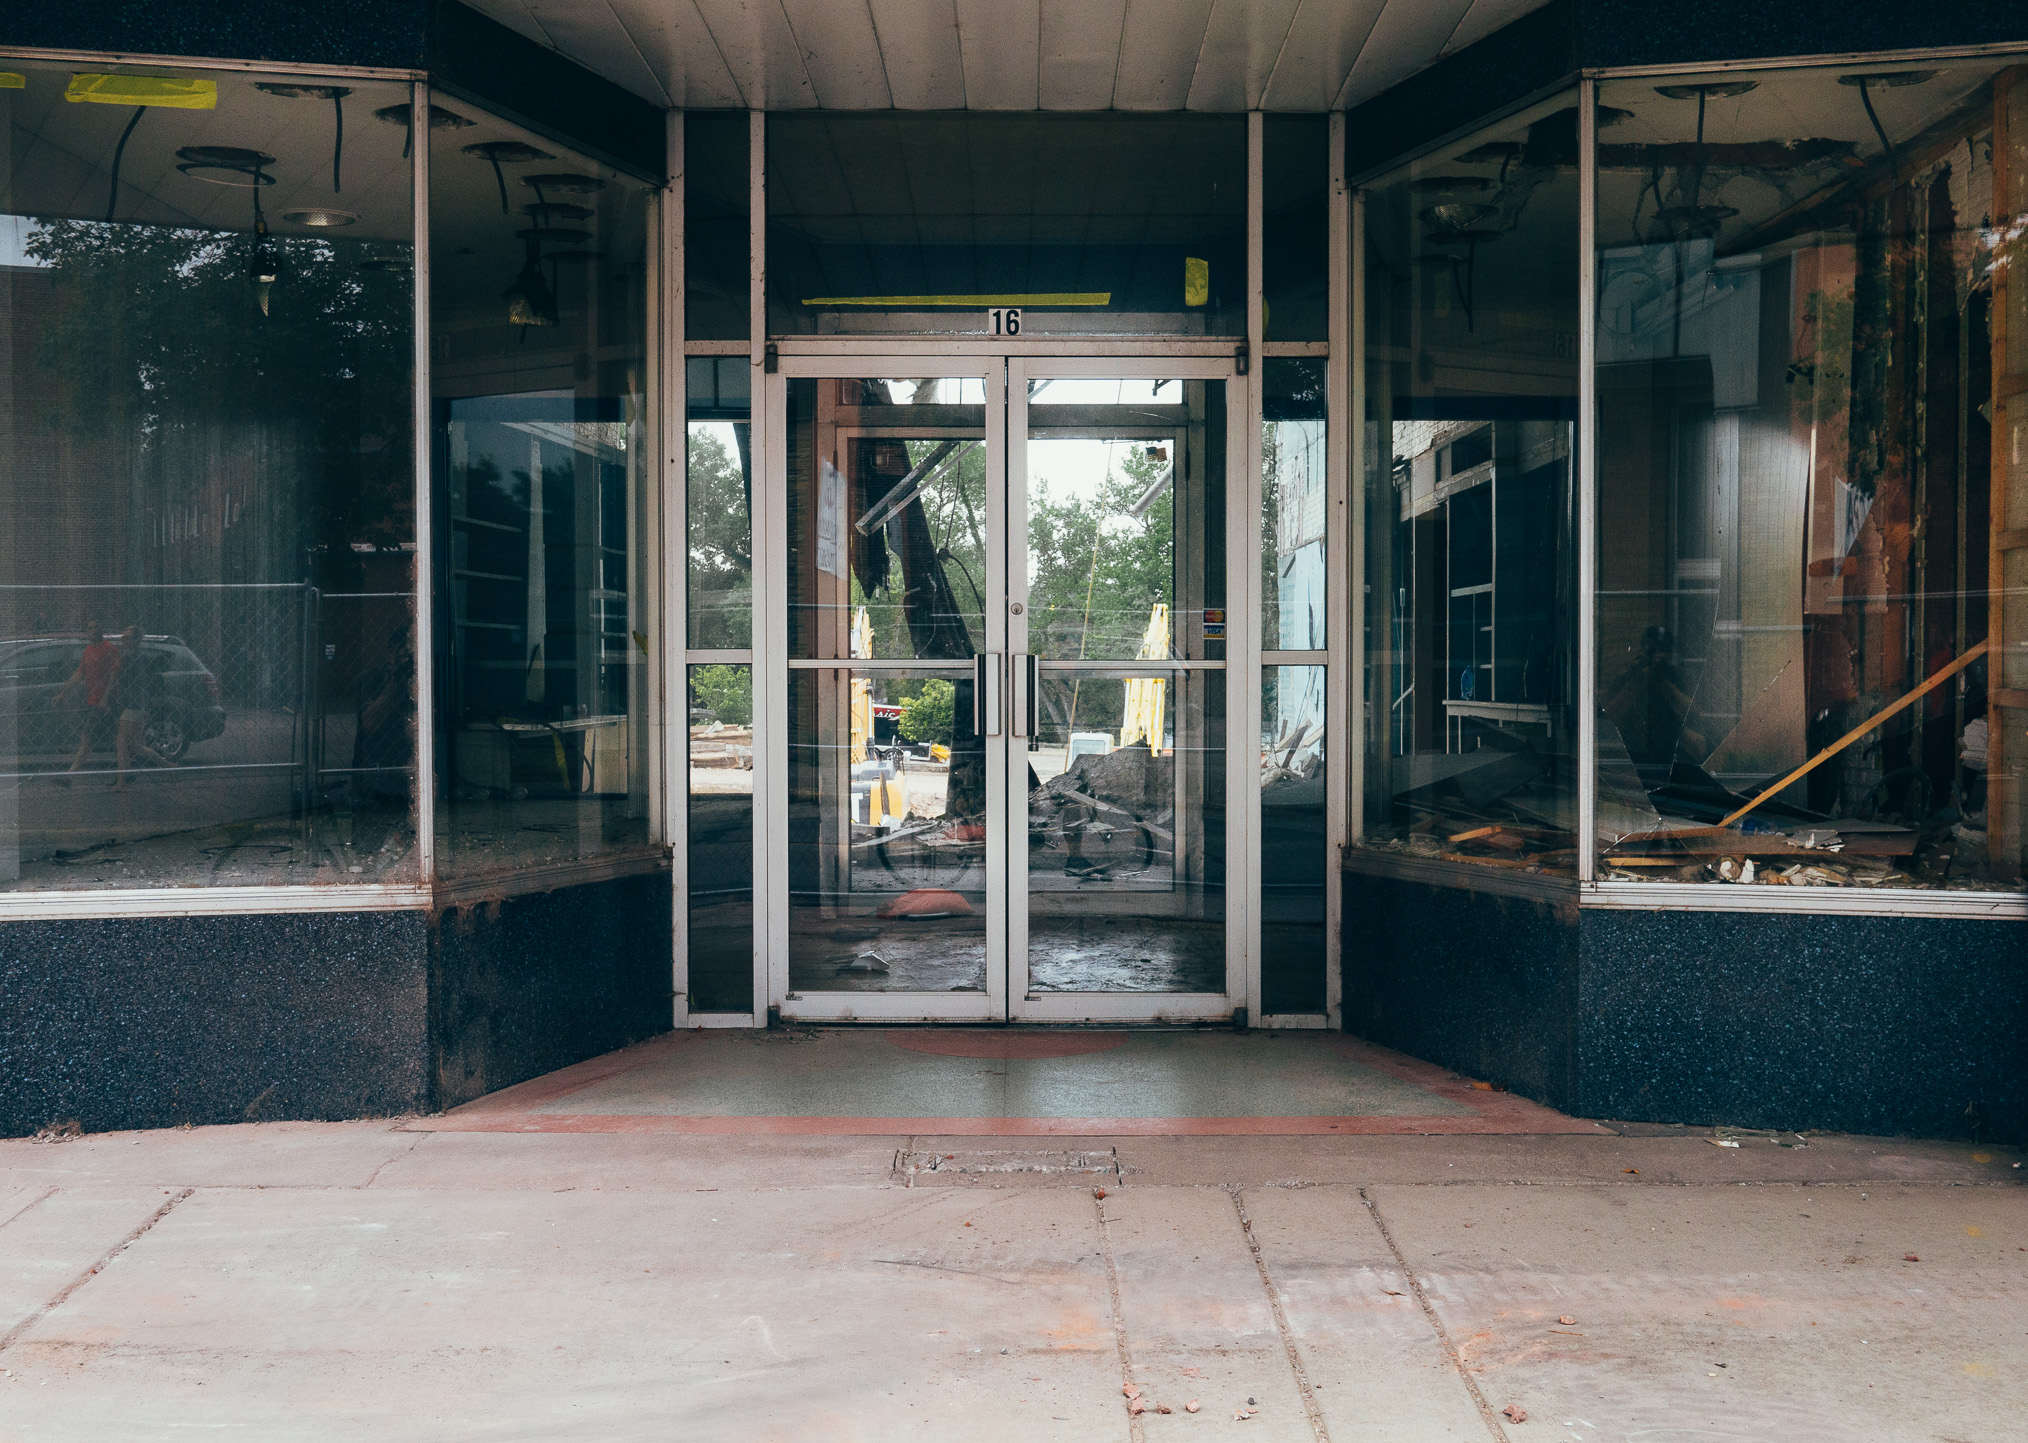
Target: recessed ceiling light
(319, 216)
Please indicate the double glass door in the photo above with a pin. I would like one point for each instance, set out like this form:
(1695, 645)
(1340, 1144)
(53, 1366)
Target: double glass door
(1004, 781)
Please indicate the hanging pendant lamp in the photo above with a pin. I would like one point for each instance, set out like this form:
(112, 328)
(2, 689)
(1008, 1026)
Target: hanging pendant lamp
(530, 301)
(336, 95)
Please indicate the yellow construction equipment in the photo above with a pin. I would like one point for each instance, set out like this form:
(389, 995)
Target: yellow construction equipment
(1145, 695)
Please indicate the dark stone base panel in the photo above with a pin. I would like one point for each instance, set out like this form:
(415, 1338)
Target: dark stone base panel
(527, 985)
(157, 1021)
(1485, 985)
(1889, 1025)
(1854, 1024)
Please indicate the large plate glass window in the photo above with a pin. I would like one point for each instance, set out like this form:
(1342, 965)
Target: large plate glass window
(1470, 565)
(1812, 362)
(207, 665)
(544, 497)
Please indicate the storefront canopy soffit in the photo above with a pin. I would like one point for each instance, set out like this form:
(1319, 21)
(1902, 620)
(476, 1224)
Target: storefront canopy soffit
(1211, 55)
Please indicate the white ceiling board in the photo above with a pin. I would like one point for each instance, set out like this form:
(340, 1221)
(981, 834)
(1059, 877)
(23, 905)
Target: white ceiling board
(841, 53)
(514, 15)
(1242, 41)
(1081, 42)
(1158, 53)
(1484, 18)
(919, 48)
(1002, 51)
(1324, 41)
(676, 42)
(761, 51)
(1409, 33)
(591, 33)
(1212, 55)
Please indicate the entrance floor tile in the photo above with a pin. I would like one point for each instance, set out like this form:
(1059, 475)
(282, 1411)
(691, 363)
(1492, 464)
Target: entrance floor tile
(1003, 1082)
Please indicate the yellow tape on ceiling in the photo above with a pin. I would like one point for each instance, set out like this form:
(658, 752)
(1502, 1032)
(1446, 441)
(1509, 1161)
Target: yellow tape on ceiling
(1064, 298)
(168, 90)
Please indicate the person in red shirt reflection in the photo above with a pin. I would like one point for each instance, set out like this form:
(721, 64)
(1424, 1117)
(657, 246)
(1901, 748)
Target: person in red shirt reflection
(92, 682)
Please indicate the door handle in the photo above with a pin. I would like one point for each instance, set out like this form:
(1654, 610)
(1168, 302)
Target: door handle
(1025, 681)
(986, 694)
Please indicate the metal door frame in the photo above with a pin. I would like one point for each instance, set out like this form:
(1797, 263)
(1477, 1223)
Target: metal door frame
(1006, 370)
(771, 727)
(1240, 862)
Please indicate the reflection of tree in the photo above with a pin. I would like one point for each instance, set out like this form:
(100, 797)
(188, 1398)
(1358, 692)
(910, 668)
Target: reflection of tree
(1095, 570)
(721, 544)
(727, 691)
(155, 338)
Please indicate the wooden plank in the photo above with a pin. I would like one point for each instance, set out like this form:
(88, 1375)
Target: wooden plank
(1864, 844)
(1908, 699)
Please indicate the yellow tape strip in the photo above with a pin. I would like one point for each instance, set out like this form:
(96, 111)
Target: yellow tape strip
(172, 91)
(1058, 298)
(12, 80)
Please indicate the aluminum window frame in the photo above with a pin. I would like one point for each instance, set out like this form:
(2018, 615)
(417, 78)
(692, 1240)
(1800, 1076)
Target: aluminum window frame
(283, 898)
(1586, 892)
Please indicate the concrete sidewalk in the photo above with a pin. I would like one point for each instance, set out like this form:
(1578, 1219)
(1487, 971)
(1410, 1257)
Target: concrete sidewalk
(362, 1280)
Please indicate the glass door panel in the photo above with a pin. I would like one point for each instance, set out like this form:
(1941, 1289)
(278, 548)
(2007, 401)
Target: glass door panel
(887, 518)
(1118, 594)
(887, 839)
(1126, 831)
(1005, 706)
(893, 837)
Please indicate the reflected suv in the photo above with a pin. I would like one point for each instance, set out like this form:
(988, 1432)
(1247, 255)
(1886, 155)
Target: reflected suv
(33, 671)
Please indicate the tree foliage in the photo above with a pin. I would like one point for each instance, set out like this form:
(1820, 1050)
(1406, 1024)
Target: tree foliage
(930, 714)
(156, 335)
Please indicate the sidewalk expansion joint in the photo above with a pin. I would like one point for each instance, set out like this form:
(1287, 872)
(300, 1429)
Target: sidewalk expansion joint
(1135, 1430)
(8, 1338)
(1274, 1297)
(30, 1206)
(1443, 1335)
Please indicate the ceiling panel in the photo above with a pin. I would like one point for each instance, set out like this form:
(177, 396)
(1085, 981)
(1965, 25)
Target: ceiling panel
(1081, 41)
(1002, 52)
(1241, 44)
(592, 32)
(761, 51)
(677, 42)
(1215, 55)
(1323, 42)
(514, 15)
(1159, 46)
(1409, 33)
(841, 53)
(918, 42)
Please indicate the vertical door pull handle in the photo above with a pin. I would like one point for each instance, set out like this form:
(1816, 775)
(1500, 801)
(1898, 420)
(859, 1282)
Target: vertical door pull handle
(986, 709)
(1025, 680)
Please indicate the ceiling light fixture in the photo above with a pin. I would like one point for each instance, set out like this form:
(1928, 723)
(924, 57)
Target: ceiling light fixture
(505, 152)
(440, 119)
(1694, 220)
(320, 216)
(336, 95)
(565, 183)
(226, 165)
(530, 301)
(1887, 80)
